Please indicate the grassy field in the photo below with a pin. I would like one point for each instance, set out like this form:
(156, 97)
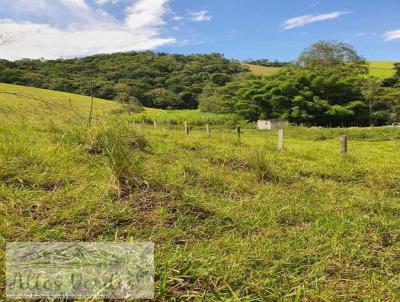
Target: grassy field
(41, 106)
(177, 117)
(381, 69)
(262, 70)
(20, 103)
(231, 221)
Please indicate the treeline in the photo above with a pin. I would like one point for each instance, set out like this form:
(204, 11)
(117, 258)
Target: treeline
(266, 63)
(329, 85)
(152, 79)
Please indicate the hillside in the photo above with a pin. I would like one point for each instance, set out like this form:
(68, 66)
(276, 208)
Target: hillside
(231, 220)
(381, 69)
(20, 103)
(157, 80)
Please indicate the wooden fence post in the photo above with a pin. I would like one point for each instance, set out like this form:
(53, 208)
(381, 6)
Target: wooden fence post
(343, 144)
(208, 130)
(238, 133)
(280, 139)
(155, 124)
(186, 127)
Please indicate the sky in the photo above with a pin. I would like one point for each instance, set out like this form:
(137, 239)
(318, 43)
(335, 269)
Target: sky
(239, 29)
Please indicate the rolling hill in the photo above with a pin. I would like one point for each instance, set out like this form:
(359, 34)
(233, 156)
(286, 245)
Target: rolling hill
(35, 105)
(22, 103)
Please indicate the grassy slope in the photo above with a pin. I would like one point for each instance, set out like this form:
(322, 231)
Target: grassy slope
(262, 70)
(39, 105)
(381, 69)
(229, 220)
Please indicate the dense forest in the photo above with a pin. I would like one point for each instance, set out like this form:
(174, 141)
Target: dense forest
(153, 79)
(328, 85)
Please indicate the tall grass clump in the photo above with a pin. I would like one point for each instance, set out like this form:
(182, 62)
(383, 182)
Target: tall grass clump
(126, 165)
(262, 168)
(122, 148)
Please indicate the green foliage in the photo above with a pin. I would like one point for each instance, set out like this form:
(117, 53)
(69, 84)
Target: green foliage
(219, 99)
(371, 88)
(326, 57)
(155, 79)
(125, 95)
(301, 97)
(397, 69)
(390, 102)
(266, 63)
(327, 86)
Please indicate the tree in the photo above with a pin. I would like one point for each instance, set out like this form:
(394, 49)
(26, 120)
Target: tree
(165, 99)
(390, 97)
(133, 105)
(333, 57)
(323, 88)
(397, 69)
(371, 88)
(125, 96)
(123, 92)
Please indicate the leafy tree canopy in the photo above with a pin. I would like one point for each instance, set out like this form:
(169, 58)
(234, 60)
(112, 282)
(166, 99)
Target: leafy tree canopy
(327, 57)
(155, 79)
(328, 85)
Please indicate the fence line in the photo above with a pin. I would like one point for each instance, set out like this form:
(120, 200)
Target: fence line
(343, 140)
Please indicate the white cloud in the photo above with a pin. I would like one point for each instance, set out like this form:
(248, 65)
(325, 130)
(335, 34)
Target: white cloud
(200, 16)
(303, 20)
(81, 30)
(146, 14)
(42, 40)
(76, 3)
(190, 16)
(178, 18)
(103, 2)
(392, 35)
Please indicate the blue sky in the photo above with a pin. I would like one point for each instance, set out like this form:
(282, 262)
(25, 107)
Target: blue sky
(240, 29)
